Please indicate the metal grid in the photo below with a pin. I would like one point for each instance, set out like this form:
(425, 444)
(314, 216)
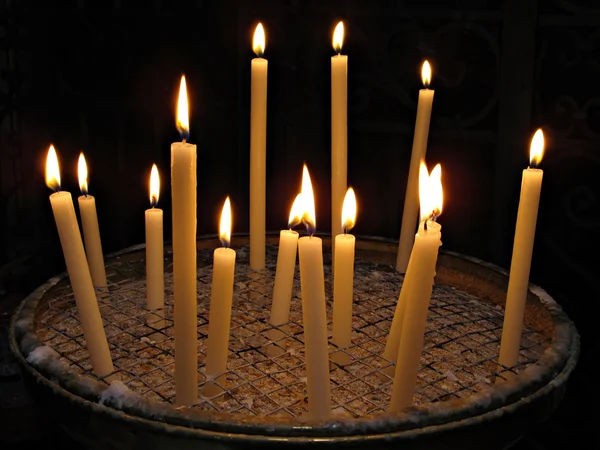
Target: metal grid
(266, 373)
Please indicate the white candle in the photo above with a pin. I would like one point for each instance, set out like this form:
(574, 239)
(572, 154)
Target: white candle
(155, 278)
(339, 130)
(258, 149)
(516, 297)
(420, 285)
(77, 267)
(219, 320)
(91, 231)
(312, 285)
(419, 149)
(286, 266)
(343, 275)
(183, 191)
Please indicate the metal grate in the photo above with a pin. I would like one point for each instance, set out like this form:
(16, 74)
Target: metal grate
(266, 373)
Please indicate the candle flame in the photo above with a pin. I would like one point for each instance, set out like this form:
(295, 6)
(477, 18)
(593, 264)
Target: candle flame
(154, 186)
(308, 201)
(431, 194)
(536, 149)
(225, 225)
(183, 121)
(338, 37)
(296, 211)
(82, 173)
(426, 74)
(258, 43)
(349, 210)
(52, 170)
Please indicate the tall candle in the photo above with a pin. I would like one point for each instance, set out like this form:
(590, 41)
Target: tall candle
(219, 320)
(258, 149)
(314, 319)
(91, 231)
(155, 275)
(183, 191)
(516, 297)
(77, 267)
(286, 266)
(339, 130)
(419, 149)
(420, 285)
(343, 275)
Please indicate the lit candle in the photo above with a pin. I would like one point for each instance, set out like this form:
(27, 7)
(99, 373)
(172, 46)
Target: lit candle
(79, 272)
(339, 130)
(183, 191)
(419, 149)
(258, 151)
(420, 284)
(155, 278)
(520, 265)
(286, 266)
(91, 232)
(219, 319)
(314, 319)
(343, 275)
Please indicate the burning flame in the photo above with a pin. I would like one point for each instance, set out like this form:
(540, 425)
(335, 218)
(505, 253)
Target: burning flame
(225, 225)
(308, 203)
(431, 194)
(536, 149)
(426, 74)
(82, 174)
(349, 210)
(258, 43)
(296, 211)
(52, 170)
(338, 37)
(183, 121)
(154, 186)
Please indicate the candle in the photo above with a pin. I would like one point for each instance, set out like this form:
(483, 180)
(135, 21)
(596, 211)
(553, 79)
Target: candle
(183, 191)
(520, 265)
(155, 278)
(219, 319)
(339, 130)
(419, 149)
(343, 275)
(314, 319)
(422, 264)
(286, 266)
(77, 267)
(258, 146)
(91, 232)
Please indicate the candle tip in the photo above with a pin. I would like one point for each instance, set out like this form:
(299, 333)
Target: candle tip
(338, 37)
(52, 170)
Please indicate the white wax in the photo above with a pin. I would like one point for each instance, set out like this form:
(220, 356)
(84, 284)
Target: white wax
(339, 140)
(81, 283)
(411, 198)
(284, 277)
(343, 289)
(312, 284)
(155, 274)
(91, 237)
(183, 191)
(258, 161)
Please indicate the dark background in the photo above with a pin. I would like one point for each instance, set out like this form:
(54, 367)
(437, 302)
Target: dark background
(102, 76)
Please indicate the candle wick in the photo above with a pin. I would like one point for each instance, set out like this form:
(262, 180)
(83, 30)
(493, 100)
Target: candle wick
(425, 225)
(183, 141)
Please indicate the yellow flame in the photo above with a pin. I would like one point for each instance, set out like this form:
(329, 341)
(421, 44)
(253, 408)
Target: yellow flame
(183, 123)
(349, 210)
(308, 201)
(82, 173)
(52, 170)
(536, 149)
(225, 225)
(258, 43)
(338, 37)
(296, 211)
(154, 186)
(426, 74)
(431, 194)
